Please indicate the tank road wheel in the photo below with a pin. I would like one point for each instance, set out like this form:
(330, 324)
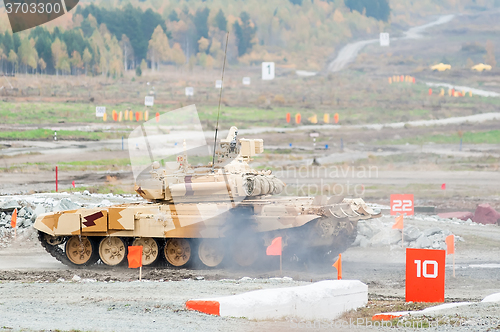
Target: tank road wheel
(245, 251)
(53, 240)
(211, 252)
(150, 249)
(177, 252)
(81, 252)
(112, 251)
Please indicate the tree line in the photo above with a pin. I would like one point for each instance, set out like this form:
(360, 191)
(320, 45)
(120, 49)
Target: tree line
(108, 42)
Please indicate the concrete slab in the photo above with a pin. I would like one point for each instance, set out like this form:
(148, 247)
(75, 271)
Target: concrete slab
(327, 299)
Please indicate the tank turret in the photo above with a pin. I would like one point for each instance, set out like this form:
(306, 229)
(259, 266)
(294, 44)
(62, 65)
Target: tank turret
(229, 175)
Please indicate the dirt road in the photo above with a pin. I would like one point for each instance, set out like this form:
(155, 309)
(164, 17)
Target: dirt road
(349, 52)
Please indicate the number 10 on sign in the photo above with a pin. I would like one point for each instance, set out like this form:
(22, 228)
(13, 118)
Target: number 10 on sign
(402, 204)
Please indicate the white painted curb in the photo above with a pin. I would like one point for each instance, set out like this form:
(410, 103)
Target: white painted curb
(327, 299)
(492, 298)
(392, 315)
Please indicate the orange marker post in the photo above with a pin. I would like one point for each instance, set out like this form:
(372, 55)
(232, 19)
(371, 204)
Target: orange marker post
(120, 116)
(336, 117)
(288, 117)
(126, 115)
(297, 118)
(338, 266)
(134, 258)
(13, 222)
(276, 249)
(157, 116)
(430, 92)
(399, 224)
(146, 115)
(450, 249)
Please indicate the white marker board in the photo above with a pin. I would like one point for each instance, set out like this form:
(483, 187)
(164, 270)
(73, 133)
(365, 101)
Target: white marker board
(384, 39)
(246, 81)
(218, 84)
(99, 111)
(189, 91)
(268, 71)
(149, 101)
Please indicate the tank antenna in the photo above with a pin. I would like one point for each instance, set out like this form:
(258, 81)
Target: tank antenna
(220, 99)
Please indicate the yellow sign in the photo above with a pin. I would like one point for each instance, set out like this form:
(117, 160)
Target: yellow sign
(480, 67)
(441, 67)
(313, 119)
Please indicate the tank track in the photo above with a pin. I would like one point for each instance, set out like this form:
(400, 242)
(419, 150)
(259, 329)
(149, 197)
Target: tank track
(341, 237)
(54, 251)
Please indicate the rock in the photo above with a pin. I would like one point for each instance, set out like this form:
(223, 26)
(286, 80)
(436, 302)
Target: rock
(438, 237)
(10, 206)
(386, 237)
(485, 214)
(29, 211)
(462, 215)
(432, 231)
(364, 242)
(76, 278)
(86, 192)
(21, 212)
(20, 222)
(39, 210)
(358, 240)
(423, 242)
(105, 203)
(66, 204)
(365, 230)
(411, 233)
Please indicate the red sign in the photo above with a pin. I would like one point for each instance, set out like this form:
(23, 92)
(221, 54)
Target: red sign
(402, 204)
(425, 275)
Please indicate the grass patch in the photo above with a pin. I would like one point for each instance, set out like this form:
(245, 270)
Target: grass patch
(480, 137)
(102, 162)
(106, 188)
(47, 134)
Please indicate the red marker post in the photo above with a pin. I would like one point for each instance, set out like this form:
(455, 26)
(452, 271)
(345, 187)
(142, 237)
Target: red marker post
(134, 258)
(338, 266)
(276, 249)
(450, 249)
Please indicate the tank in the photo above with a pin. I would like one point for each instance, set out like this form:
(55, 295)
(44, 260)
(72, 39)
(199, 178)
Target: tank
(223, 211)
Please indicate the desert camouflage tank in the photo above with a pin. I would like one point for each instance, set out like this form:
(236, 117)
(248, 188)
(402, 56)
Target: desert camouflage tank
(213, 213)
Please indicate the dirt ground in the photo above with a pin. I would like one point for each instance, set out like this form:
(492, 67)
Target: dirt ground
(39, 293)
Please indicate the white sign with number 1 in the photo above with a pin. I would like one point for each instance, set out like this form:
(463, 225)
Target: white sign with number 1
(268, 70)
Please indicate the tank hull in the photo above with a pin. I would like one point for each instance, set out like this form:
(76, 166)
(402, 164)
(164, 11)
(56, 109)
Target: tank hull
(302, 222)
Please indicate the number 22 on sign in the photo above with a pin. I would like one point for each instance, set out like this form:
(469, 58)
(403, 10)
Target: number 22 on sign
(402, 204)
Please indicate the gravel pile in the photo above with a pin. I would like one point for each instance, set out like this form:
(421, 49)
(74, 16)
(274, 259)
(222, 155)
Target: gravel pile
(379, 233)
(30, 206)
